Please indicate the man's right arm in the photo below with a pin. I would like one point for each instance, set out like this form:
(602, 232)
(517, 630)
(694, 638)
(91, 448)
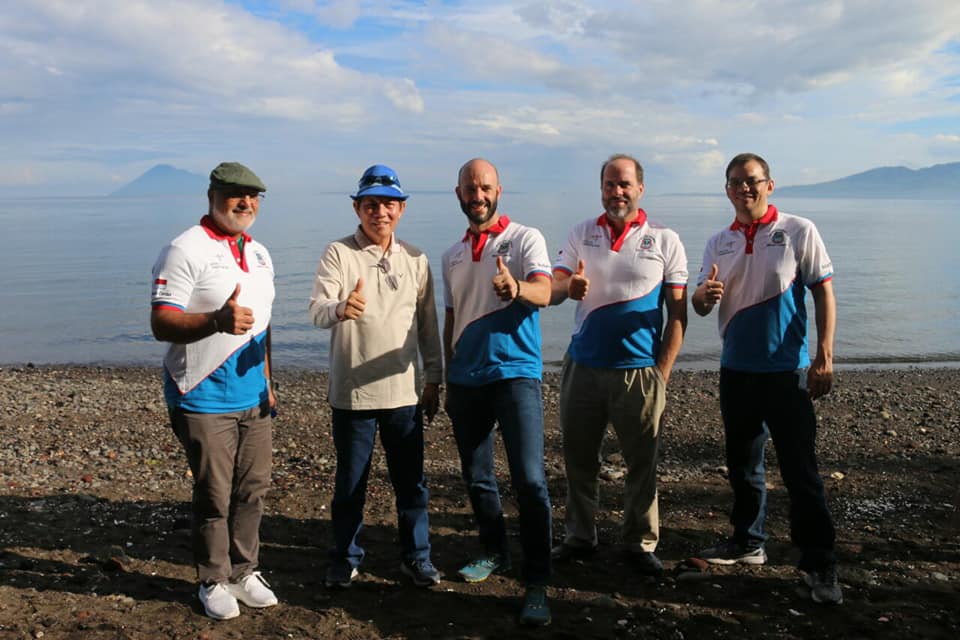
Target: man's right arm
(170, 324)
(558, 290)
(326, 307)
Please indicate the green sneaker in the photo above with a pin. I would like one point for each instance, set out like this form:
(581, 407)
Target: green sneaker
(535, 612)
(480, 569)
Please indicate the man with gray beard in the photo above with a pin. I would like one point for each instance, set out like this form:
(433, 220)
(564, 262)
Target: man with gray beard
(624, 272)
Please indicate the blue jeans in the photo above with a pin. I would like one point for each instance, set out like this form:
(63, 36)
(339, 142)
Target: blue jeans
(517, 406)
(401, 433)
(756, 406)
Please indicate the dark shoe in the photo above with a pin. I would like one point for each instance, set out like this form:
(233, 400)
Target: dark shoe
(535, 612)
(422, 572)
(646, 563)
(564, 552)
(730, 552)
(340, 575)
(480, 569)
(824, 586)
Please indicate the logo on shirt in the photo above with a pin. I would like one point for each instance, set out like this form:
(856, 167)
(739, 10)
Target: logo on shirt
(646, 243)
(504, 248)
(592, 240)
(160, 288)
(778, 237)
(260, 259)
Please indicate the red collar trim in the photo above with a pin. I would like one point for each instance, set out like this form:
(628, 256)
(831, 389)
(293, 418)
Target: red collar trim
(479, 240)
(616, 243)
(768, 217)
(217, 234)
(750, 230)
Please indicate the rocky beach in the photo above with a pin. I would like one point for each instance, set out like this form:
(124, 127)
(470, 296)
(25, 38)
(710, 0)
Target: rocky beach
(94, 522)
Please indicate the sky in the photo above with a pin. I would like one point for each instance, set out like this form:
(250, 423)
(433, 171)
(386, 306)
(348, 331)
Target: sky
(308, 93)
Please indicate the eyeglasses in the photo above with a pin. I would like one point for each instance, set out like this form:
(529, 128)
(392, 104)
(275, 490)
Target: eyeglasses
(750, 182)
(384, 266)
(387, 181)
(242, 195)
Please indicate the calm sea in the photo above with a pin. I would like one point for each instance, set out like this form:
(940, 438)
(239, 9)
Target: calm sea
(76, 271)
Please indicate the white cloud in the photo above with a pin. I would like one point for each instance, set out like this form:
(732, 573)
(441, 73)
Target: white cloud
(830, 84)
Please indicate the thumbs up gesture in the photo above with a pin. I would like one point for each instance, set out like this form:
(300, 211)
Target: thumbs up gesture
(355, 303)
(233, 318)
(712, 288)
(578, 284)
(504, 284)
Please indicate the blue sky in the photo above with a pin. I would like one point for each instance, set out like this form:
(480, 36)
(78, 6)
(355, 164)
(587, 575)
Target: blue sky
(94, 92)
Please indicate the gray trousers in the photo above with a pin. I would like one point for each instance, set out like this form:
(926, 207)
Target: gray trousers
(632, 401)
(230, 457)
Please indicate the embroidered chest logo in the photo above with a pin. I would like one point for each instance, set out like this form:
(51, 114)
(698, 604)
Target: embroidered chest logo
(646, 244)
(504, 248)
(260, 259)
(778, 237)
(592, 240)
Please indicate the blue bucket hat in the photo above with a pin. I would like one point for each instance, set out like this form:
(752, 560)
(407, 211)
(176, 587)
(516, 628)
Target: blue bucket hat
(380, 180)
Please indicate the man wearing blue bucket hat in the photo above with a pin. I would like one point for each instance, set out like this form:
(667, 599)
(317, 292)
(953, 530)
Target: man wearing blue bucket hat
(375, 294)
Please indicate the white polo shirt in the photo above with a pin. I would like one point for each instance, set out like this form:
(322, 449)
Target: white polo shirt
(765, 269)
(619, 324)
(493, 339)
(197, 273)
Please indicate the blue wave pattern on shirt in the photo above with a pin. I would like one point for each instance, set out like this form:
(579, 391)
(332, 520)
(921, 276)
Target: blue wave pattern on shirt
(506, 342)
(236, 385)
(770, 336)
(623, 335)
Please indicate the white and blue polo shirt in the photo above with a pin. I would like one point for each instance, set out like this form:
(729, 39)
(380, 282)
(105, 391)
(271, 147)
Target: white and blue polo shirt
(619, 324)
(197, 273)
(765, 268)
(493, 339)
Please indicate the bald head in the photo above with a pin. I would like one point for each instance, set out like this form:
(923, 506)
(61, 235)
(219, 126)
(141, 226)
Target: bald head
(477, 164)
(478, 189)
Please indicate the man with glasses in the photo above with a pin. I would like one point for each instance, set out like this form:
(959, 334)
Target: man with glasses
(496, 278)
(212, 298)
(375, 293)
(624, 272)
(757, 270)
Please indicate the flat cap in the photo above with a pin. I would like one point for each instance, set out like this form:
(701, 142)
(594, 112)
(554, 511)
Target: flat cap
(231, 175)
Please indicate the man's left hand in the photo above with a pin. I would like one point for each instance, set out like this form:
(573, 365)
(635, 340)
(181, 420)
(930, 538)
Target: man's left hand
(819, 378)
(430, 401)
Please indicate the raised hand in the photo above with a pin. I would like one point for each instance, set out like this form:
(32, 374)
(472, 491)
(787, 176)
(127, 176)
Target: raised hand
(712, 288)
(578, 284)
(355, 303)
(233, 318)
(504, 284)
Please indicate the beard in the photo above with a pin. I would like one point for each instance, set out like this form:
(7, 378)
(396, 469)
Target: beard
(478, 218)
(617, 209)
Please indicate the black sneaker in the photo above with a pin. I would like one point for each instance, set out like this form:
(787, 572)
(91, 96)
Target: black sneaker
(646, 563)
(730, 552)
(422, 572)
(340, 575)
(824, 586)
(565, 551)
(535, 611)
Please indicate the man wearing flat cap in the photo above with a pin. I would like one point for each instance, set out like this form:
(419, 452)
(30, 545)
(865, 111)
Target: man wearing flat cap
(375, 294)
(212, 298)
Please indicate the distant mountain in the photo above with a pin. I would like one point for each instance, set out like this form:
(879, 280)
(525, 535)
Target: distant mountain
(164, 180)
(941, 181)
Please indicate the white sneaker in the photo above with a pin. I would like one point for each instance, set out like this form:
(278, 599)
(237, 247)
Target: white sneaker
(253, 591)
(217, 602)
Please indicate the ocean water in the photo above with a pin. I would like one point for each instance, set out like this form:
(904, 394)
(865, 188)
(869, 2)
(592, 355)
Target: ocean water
(76, 271)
